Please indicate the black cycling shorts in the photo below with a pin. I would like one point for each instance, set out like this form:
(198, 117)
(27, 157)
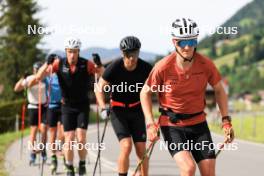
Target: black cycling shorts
(34, 118)
(75, 116)
(196, 139)
(53, 116)
(129, 124)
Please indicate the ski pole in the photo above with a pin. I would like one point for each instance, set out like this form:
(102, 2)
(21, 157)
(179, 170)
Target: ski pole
(148, 152)
(99, 152)
(22, 127)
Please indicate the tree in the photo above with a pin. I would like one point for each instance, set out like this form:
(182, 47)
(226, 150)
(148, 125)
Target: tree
(18, 49)
(213, 53)
(224, 70)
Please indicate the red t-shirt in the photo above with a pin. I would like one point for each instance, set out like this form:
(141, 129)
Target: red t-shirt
(187, 87)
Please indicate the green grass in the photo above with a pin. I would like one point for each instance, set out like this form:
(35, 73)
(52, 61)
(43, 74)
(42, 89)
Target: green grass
(5, 140)
(240, 106)
(235, 42)
(244, 128)
(93, 117)
(227, 59)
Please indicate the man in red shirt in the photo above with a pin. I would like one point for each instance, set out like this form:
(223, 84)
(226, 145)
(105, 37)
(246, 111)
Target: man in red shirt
(186, 73)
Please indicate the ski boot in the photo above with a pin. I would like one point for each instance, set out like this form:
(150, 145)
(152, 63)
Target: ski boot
(70, 170)
(44, 156)
(82, 169)
(32, 159)
(54, 164)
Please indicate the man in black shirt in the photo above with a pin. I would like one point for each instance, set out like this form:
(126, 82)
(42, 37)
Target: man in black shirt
(74, 74)
(124, 78)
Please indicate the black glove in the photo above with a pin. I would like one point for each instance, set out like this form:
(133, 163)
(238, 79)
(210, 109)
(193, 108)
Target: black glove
(97, 59)
(51, 58)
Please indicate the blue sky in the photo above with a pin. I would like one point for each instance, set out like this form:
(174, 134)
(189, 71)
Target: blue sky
(103, 23)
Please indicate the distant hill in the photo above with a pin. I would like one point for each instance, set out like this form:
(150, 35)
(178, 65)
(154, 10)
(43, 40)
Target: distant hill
(108, 54)
(240, 56)
(248, 19)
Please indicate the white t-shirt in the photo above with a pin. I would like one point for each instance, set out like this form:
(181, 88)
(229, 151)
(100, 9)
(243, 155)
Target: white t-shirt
(33, 92)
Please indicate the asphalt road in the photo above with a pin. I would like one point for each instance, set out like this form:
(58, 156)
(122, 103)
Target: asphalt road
(247, 160)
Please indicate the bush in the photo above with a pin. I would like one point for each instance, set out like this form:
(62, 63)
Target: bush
(256, 98)
(8, 112)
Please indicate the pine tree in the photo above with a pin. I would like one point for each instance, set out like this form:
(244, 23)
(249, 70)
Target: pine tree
(18, 49)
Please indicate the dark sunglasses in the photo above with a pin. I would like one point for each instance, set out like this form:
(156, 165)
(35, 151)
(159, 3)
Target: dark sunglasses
(190, 43)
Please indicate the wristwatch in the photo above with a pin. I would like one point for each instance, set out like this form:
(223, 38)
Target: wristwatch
(228, 118)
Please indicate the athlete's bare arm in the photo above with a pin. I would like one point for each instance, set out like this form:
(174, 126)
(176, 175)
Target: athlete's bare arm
(19, 87)
(42, 72)
(221, 98)
(99, 92)
(146, 103)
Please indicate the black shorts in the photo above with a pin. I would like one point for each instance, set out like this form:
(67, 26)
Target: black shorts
(34, 118)
(127, 124)
(53, 116)
(75, 116)
(190, 138)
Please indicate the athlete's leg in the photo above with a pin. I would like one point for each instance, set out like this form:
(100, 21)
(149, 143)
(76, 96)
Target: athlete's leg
(43, 130)
(43, 126)
(205, 156)
(81, 138)
(68, 150)
(175, 137)
(52, 132)
(120, 124)
(185, 162)
(140, 150)
(137, 128)
(125, 150)
(60, 137)
(52, 120)
(82, 125)
(33, 133)
(60, 126)
(69, 119)
(60, 132)
(207, 167)
(33, 121)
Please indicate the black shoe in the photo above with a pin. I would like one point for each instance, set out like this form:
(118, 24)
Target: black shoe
(82, 169)
(54, 164)
(70, 170)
